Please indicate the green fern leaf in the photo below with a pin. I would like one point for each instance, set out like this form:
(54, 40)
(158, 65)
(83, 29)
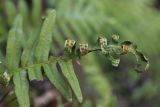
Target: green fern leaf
(68, 72)
(57, 80)
(10, 11)
(43, 46)
(35, 73)
(23, 9)
(36, 10)
(28, 59)
(14, 44)
(21, 88)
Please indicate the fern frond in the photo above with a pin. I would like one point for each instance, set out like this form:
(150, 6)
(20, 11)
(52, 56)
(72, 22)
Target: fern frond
(56, 79)
(21, 88)
(68, 72)
(32, 61)
(14, 44)
(81, 20)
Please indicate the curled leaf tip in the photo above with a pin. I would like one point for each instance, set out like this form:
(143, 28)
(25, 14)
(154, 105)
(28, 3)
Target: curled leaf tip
(143, 58)
(129, 47)
(112, 51)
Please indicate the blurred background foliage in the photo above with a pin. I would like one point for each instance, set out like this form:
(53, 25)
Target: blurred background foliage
(84, 20)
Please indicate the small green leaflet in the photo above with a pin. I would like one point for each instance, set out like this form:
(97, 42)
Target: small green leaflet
(45, 38)
(23, 9)
(68, 72)
(35, 73)
(28, 58)
(21, 88)
(56, 79)
(14, 44)
(36, 10)
(10, 11)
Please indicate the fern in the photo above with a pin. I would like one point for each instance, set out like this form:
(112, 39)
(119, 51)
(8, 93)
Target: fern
(40, 60)
(28, 56)
(14, 53)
